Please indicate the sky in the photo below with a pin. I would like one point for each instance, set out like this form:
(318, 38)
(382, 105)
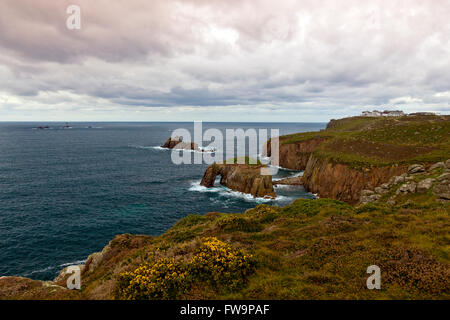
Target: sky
(222, 60)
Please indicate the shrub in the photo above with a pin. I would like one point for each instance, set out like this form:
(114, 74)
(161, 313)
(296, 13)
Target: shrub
(213, 263)
(164, 279)
(219, 264)
(237, 223)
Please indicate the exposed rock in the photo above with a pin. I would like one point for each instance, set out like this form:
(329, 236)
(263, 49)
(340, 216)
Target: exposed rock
(366, 193)
(381, 190)
(240, 177)
(293, 181)
(295, 155)
(385, 186)
(396, 180)
(424, 185)
(178, 143)
(442, 186)
(95, 259)
(370, 198)
(342, 182)
(63, 275)
(443, 177)
(437, 165)
(447, 164)
(391, 201)
(416, 168)
(409, 187)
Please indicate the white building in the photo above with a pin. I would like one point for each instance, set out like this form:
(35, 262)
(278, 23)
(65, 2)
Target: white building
(385, 113)
(374, 113)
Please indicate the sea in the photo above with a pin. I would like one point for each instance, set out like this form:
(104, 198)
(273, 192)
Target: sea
(66, 189)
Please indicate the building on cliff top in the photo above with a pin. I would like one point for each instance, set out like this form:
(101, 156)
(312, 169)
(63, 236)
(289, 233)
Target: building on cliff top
(385, 113)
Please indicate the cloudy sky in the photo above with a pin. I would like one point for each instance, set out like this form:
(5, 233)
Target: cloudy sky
(217, 60)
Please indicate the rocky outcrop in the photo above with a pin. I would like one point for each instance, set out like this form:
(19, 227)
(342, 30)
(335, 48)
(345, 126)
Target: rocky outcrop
(178, 143)
(342, 182)
(240, 177)
(412, 182)
(291, 181)
(295, 155)
(442, 187)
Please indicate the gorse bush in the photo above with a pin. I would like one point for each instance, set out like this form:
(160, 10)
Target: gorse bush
(214, 263)
(165, 279)
(220, 265)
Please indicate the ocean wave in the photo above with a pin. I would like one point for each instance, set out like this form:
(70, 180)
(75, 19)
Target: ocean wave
(203, 150)
(55, 267)
(73, 263)
(227, 192)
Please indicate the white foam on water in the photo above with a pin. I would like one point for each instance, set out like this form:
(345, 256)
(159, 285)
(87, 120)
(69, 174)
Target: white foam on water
(73, 263)
(227, 192)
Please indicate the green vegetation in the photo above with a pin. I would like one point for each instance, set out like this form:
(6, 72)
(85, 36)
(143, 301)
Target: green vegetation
(310, 249)
(243, 160)
(364, 141)
(214, 265)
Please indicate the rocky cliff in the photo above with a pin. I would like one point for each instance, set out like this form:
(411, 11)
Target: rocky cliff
(342, 182)
(240, 177)
(358, 153)
(295, 155)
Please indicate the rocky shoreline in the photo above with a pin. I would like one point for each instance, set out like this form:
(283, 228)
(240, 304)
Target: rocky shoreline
(389, 187)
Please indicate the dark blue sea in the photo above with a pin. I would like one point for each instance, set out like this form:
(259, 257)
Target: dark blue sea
(65, 192)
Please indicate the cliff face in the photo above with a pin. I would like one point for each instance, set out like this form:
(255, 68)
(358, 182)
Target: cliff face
(340, 181)
(240, 177)
(295, 155)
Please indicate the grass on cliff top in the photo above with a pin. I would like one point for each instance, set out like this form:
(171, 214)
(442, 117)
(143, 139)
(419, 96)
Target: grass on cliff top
(311, 249)
(365, 141)
(243, 160)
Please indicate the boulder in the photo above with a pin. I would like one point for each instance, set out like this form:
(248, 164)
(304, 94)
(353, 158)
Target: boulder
(409, 187)
(369, 198)
(416, 168)
(437, 165)
(447, 164)
(365, 193)
(442, 186)
(425, 185)
(381, 190)
(396, 180)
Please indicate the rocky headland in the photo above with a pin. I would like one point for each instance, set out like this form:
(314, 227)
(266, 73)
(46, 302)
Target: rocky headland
(389, 184)
(359, 153)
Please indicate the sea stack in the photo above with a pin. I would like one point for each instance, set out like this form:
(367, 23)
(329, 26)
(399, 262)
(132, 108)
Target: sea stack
(178, 143)
(240, 177)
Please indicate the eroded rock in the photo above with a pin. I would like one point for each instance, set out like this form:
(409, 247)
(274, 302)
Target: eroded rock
(416, 168)
(409, 187)
(437, 165)
(425, 185)
(240, 177)
(442, 186)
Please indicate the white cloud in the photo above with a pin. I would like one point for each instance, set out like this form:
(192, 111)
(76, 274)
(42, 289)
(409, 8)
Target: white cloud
(222, 60)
